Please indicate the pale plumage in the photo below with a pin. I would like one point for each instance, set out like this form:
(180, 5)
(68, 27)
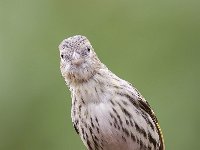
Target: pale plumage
(107, 112)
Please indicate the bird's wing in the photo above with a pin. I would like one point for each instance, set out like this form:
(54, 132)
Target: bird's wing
(76, 129)
(144, 105)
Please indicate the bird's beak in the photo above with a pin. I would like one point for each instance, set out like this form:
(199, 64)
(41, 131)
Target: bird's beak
(76, 59)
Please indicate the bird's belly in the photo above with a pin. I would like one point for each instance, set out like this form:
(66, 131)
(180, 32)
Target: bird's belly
(104, 126)
(108, 138)
(115, 139)
(102, 131)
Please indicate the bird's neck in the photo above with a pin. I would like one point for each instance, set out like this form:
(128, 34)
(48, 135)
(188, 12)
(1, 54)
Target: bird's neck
(95, 90)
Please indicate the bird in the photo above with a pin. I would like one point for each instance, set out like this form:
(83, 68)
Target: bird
(107, 112)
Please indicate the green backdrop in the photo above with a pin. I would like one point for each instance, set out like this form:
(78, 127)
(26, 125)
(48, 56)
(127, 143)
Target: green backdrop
(153, 44)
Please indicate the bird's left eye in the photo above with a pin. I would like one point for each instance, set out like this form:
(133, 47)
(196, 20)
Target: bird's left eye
(62, 56)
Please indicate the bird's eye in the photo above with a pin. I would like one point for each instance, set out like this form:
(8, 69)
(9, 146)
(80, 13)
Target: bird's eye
(62, 56)
(88, 49)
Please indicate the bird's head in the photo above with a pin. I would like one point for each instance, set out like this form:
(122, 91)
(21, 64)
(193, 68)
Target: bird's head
(78, 61)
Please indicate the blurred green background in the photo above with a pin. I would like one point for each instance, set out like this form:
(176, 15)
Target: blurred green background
(153, 44)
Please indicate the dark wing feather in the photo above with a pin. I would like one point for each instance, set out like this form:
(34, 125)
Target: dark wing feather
(144, 105)
(76, 129)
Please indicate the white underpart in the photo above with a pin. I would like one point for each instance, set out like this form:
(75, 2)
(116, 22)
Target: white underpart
(98, 105)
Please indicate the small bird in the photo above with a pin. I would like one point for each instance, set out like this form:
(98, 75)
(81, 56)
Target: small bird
(107, 112)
